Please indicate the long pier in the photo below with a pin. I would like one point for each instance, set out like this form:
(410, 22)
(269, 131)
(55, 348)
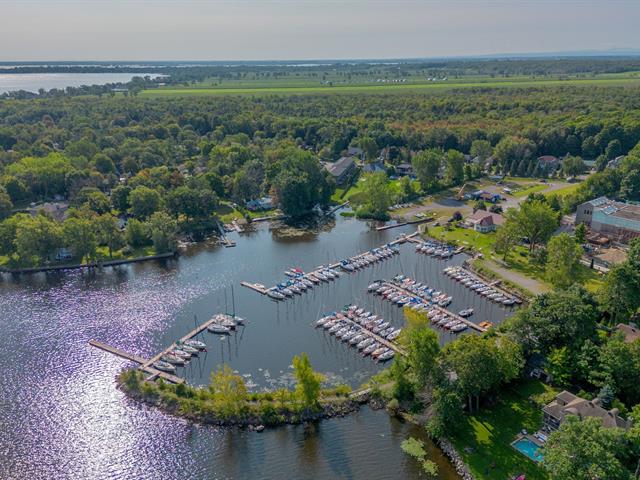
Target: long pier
(455, 316)
(146, 365)
(155, 373)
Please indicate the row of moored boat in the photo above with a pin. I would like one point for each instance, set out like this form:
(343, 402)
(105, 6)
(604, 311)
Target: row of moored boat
(368, 258)
(300, 282)
(359, 329)
(406, 291)
(179, 356)
(472, 282)
(436, 249)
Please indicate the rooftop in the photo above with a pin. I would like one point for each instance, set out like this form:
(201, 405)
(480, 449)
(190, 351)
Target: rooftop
(567, 403)
(616, 209)
(631, 333)
(340, 166)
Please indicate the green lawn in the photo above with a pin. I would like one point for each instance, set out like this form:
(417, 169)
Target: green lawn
(529, 189)
(561, 192)
(482, 242)
(484, 439)
(206, 90)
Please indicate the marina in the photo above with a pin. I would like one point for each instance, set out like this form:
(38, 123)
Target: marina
(421, 301)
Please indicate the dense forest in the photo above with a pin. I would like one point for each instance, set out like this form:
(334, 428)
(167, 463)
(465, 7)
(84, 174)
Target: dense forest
(170, 162)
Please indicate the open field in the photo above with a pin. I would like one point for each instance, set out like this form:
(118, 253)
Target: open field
(484, 438)
(289, 89)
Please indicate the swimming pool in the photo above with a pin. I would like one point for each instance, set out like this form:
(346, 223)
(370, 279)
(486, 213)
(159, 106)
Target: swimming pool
(528, 448)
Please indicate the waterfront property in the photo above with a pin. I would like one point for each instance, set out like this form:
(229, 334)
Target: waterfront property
(616, 220)
(484, 222)
(567, 403)
(341, 169)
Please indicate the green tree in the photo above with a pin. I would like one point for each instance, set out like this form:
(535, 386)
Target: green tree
(103, 163)
(376, 196)
(619, 296)
(580, 234)
(422, 349)
(37, 239)
(120, 198)
(563, 260)
(307, 381)
(98, 202)
(163, 231)
(535, 220)
(79, 236)
(586, 450)
(108, 232)
(482, 149)
(191, 202)
(6, 205)
(426, 164)
(228, 391)
(572, 166)
(454, 167)
(144, 202)
(507, 237)
(136, 233)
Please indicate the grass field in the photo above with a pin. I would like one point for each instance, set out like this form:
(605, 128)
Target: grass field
(529, 189)
(302, 89)
(484, 439)
(564, 191)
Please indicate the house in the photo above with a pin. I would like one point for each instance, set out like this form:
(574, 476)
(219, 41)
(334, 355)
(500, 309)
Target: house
(404, 169)
(618, 220)
(341, 169)
(631, 332)
(549, 163)
(264, 203)
(355, 152)
(55, 210)
(566, 404)
(483, 221)
(373, 167)
(616, 162)
(485, 196)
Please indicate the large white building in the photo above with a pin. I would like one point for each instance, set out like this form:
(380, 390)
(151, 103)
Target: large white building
(617, 220)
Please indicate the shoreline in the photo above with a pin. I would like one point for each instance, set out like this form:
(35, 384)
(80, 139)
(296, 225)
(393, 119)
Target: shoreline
(78, 266)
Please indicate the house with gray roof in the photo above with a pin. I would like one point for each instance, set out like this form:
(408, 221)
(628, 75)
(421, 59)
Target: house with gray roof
(566, 404)
(341, 169)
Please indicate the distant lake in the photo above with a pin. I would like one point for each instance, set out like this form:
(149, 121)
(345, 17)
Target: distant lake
(32, 82)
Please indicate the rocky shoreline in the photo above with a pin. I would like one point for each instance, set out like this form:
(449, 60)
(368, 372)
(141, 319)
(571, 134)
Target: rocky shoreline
(456, 460)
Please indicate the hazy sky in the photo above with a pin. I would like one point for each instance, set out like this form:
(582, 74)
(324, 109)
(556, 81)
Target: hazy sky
(306, 29)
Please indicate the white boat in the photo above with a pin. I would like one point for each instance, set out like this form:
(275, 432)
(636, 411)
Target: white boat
(373, 286)
(275, 295)
(186, 348)
(364, 343)
(164, 366)
(173, 359)
(459, 328)
(219, 329)
(180, 353)
(467, 312)
(387, 355)
(196, 344)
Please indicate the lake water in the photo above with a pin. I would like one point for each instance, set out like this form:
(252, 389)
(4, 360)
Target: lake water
(61, 415)
(32, 82)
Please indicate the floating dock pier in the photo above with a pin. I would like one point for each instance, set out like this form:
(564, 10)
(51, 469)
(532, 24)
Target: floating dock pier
(146, 365)
(443, 310)
(257, 287)
(491, 283)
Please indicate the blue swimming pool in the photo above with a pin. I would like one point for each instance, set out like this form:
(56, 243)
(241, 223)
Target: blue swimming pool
(528, 448)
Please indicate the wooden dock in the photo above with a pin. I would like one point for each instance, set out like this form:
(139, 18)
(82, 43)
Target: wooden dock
(493, 284)
(378, 338)
(261, 289)
(455, 316)
(154, 373)
(188, 336)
